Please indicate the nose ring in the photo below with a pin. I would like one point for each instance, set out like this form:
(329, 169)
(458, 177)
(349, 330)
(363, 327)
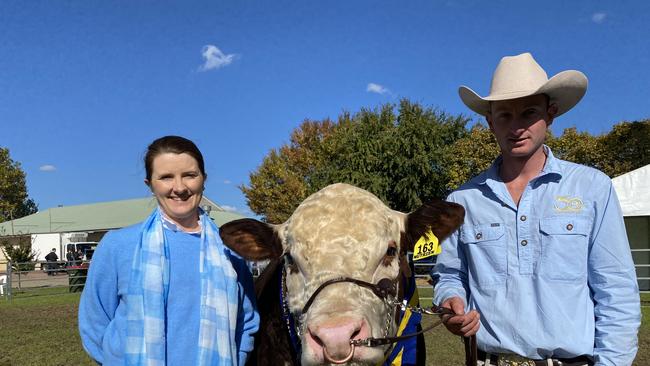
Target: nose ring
(329, 358)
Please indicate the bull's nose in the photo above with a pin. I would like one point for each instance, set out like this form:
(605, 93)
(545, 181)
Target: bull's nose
(332, 338)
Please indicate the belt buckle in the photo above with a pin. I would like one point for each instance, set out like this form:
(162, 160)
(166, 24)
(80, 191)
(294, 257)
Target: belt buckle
(514, 360)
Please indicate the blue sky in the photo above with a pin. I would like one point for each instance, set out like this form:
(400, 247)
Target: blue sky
(86, 85)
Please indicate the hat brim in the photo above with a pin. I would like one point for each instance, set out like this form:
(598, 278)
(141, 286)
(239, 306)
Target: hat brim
(565, 89)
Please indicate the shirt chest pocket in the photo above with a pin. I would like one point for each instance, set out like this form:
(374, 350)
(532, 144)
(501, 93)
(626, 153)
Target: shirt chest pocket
(565, 243)
(486, 252)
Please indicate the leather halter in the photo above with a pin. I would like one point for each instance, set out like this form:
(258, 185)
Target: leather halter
(384, 289)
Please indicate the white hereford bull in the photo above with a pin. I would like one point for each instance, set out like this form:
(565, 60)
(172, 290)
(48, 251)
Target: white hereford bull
(339, 232)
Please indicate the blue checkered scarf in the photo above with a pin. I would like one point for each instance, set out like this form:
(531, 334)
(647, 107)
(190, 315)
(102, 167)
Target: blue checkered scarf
(147, 298)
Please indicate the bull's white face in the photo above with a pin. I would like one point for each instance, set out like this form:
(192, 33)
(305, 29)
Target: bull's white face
(341, 231)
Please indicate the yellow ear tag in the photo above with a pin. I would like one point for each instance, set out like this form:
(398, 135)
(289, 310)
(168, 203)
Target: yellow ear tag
(426, 246)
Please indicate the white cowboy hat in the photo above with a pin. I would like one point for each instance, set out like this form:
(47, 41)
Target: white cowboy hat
(521, 76)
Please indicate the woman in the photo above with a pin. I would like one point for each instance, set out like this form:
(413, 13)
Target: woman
(167, 291)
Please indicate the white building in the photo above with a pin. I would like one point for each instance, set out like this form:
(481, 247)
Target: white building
(56, 227)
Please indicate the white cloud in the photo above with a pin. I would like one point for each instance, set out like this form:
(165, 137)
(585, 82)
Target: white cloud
(238, 210)
(214, 58)
(598, 18)
(230, 208)
(227, 181)
(376, 88)
(47, 168)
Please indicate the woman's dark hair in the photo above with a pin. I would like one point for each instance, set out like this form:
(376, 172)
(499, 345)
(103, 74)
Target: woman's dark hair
(175, 145)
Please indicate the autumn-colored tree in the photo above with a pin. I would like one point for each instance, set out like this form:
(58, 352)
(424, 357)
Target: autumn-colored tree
(470, 155)
(625, 148)
(14, 202)
(406, 154)
(282, 180)
(397, 156)
(578, 147)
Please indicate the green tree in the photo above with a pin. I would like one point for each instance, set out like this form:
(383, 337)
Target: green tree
(14, 202)
(578, 147)
(400, 157)
(626, 147)
(406, 154)
(20, 255)
(470, 155)
(395, 152)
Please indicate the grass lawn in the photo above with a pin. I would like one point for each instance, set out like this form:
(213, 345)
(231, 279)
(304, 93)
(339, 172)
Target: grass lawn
(42, 331)
(643, 356)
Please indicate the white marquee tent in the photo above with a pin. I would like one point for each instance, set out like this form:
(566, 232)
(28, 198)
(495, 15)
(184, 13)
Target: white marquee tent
(633, 191)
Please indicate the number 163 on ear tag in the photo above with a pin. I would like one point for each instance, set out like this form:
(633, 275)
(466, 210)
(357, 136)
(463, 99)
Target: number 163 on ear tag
(427, 246)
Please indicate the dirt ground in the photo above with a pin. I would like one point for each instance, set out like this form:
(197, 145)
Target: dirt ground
(38, 278)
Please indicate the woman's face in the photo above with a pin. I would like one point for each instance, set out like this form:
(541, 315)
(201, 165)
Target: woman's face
(177, 183)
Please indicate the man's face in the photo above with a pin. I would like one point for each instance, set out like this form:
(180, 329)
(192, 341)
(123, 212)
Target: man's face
(519, 125)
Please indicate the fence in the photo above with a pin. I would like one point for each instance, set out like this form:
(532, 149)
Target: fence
(642, 264)
(51, 278)
(42, 278)
(422, 278)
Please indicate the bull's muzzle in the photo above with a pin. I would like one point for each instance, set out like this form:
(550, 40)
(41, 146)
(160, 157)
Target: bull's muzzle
(331, 359)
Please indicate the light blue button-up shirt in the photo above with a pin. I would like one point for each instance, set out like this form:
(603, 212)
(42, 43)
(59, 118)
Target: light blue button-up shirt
(552, 277)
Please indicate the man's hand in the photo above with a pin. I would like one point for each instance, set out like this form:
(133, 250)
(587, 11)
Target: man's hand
(460, 324)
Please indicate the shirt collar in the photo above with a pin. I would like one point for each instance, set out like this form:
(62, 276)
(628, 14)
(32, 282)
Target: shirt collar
(172, 226)
(551, 166)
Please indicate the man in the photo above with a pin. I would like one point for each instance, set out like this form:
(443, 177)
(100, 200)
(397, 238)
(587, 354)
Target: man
(51, 257)
(70, 258)
(542, 255)
(79, 256)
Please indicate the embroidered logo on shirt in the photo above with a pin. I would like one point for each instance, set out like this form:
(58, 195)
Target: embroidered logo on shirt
(568, 204)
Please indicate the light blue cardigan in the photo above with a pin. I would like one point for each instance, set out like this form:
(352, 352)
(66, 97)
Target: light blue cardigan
(102, 311)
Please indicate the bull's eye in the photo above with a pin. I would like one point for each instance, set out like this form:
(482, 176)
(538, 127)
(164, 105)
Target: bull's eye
(391, 253)
(392, 249)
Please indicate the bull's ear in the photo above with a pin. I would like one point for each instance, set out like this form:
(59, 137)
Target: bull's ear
(441, 217)
(252, 239)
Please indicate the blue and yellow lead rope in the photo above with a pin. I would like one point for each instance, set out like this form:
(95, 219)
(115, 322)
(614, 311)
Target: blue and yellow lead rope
(404, 352)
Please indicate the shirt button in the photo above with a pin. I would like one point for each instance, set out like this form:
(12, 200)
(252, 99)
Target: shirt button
(524, 242)
(523, 218)
(569, 227)
(479, 236)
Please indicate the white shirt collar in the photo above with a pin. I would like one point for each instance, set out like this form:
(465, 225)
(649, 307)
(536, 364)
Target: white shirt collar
(171, 225)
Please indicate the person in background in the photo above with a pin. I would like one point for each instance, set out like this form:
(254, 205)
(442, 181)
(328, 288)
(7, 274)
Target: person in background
(541, 269)
(79, 257)
(167, 291)
(70, 258)
(51, 258)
